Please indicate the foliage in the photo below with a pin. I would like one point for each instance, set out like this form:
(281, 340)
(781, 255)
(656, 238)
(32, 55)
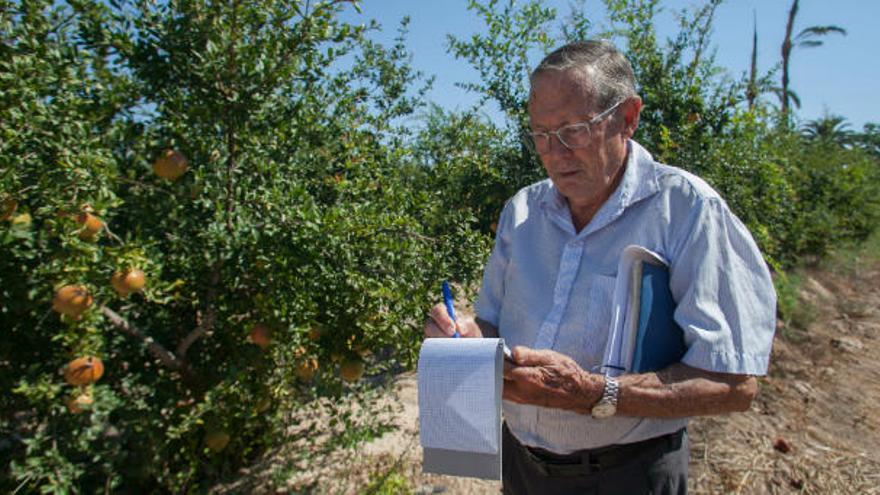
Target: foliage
(295, 213)
(869, 139)
(502, 58)
(468, 159)
(792, 193)
(306, 208)
(833, 128)
(388, 483)
(795, 312)
(837, 191)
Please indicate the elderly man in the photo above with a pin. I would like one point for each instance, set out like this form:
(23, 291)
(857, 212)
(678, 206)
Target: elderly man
(548, 285)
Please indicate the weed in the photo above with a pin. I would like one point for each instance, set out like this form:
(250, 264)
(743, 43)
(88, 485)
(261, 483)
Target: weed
(795, 313)
(390, 482)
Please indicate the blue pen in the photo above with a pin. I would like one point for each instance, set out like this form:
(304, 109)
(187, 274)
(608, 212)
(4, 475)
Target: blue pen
(447, 299)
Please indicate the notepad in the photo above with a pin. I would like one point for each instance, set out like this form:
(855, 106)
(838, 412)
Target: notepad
(460, 384)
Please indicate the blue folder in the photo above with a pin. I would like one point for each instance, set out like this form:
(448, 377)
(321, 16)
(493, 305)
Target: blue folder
(659, 341)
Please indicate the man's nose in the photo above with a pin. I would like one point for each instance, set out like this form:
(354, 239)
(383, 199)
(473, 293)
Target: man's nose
(556, 154)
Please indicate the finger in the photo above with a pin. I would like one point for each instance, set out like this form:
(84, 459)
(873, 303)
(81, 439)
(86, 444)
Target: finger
(432, 330)
(522, 374)
(514, 392)
(525, 356)
(508, 366)
(442, 320)
(468, 327)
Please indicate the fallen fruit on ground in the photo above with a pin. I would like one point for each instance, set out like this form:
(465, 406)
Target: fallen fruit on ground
(72, 300)
(261, 335)
(352, 369)
(79, 403)
(90, 224)
(126, 282)
(170, 165)
(216, 441)
(782, 445)
(84, 371)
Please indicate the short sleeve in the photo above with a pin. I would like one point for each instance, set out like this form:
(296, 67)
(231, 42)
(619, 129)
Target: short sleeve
(488, 305)
(726, 300)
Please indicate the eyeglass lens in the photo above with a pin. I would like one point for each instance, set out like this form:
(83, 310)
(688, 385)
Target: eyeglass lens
(575, 136)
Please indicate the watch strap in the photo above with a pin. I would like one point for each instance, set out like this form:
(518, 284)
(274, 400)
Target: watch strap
(607, 404)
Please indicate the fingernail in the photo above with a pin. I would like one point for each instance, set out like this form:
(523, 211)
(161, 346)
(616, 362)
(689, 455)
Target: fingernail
(450, 329)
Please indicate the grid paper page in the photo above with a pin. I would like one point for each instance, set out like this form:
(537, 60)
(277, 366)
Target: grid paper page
(459, 395)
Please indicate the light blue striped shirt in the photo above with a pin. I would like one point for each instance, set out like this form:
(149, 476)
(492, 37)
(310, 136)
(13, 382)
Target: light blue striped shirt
(547, 287)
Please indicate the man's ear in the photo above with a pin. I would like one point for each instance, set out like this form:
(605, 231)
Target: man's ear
(632, 108)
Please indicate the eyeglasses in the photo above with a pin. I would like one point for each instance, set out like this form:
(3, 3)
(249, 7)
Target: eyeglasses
(572, 136)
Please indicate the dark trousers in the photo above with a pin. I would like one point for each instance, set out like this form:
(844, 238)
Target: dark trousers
(657, 466)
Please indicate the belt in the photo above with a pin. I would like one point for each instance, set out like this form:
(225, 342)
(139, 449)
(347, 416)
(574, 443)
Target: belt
(593, 460)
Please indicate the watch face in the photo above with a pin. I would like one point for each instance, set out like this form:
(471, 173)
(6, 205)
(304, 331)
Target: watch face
(604, 410)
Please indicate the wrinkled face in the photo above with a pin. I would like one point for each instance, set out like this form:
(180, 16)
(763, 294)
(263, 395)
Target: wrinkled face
(585, 175)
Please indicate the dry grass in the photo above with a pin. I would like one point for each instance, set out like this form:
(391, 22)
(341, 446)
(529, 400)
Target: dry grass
(729, 460)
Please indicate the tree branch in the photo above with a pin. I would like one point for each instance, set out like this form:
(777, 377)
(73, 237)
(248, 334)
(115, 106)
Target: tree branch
(706, 15)
(231, 126)
(112, 235)
(144, 185)
(190, 339)
(405, 233)
(204, 324)
(156, 349)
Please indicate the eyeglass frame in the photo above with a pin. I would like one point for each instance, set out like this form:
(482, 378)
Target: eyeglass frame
(530, 136)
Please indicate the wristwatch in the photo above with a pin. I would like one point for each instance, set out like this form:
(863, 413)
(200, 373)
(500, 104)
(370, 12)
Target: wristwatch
(607, 405)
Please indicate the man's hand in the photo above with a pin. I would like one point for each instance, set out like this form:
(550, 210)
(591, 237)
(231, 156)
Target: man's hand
(550, 379)
(439, 324)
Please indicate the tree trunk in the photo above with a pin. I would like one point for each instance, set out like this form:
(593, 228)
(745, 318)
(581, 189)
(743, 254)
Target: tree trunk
(752, 90)
(786, 56)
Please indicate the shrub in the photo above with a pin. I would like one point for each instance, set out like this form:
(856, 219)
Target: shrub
(286, 207)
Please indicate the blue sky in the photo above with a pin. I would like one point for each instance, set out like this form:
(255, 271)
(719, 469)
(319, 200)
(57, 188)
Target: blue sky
(839, 77)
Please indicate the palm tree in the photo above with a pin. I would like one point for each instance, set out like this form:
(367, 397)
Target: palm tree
(806, 38)
(830, 128)
(756, 86)
(752, 88)
(869, 138)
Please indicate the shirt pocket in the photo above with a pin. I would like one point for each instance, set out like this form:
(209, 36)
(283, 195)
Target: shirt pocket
(584, 334)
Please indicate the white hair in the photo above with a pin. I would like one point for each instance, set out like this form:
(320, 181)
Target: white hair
(608, 75)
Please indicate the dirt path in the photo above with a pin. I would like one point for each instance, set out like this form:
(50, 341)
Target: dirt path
(814, 427)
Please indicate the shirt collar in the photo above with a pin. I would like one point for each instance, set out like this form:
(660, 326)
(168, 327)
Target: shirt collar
(638, 182)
